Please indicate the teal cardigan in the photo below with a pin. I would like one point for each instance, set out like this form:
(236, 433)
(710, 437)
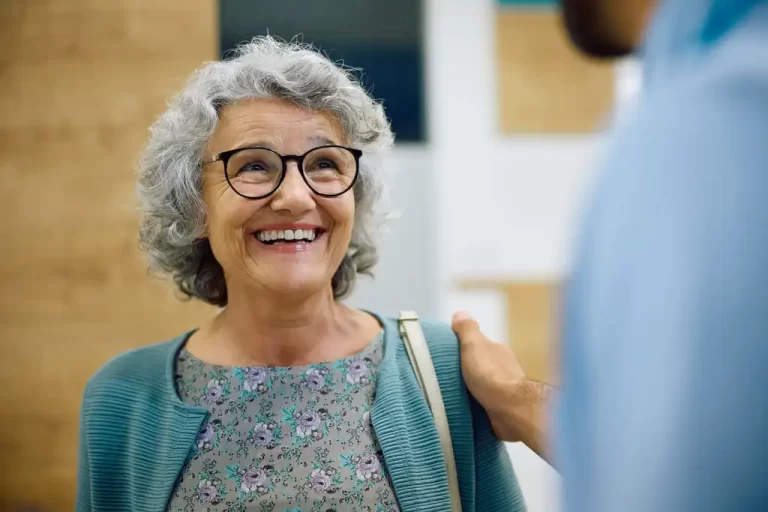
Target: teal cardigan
(136, 434)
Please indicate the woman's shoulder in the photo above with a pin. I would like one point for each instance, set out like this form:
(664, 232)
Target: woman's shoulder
(440, 336)
(443, 348)
(138, 367)
(441, 340)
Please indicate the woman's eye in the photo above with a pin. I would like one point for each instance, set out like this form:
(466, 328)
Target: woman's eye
(254, 166)
(325, 164)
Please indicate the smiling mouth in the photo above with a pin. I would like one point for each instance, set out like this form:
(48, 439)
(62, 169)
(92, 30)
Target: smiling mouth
(288, 236)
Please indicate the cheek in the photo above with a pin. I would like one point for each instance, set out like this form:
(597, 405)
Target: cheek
(228, 214)
(342, 211)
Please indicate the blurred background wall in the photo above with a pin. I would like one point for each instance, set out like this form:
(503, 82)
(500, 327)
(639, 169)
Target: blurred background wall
(499, 126)
(81, 81)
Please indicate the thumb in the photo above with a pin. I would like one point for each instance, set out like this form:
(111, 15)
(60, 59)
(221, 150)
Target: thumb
(466, 327)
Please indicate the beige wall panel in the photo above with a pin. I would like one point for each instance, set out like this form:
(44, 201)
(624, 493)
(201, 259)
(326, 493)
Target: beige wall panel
(544, 85)
(81, 80)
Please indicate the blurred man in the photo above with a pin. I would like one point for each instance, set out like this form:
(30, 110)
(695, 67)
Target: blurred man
(665, 328)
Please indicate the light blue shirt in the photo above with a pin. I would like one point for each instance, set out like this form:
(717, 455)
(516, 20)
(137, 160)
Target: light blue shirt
(665, 379)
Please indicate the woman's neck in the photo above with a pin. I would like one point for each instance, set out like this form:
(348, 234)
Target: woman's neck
(265, 329)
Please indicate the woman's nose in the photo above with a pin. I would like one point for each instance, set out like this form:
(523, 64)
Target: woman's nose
(293, 194)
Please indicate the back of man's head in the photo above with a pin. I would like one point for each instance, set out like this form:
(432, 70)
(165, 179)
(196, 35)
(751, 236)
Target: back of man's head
(606, 28)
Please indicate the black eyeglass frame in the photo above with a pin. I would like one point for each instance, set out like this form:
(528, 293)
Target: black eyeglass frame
(224, 157)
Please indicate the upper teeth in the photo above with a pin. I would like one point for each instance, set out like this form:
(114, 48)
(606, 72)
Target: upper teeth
(287, 234)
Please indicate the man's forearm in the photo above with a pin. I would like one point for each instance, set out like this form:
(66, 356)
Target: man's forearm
(533, 416)
(525, 415)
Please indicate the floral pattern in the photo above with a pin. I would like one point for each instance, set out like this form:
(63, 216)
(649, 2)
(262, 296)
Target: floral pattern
(284, 439)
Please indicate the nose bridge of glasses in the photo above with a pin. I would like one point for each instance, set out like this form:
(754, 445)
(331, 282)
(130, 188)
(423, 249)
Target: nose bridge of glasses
(293, 174)
(292, 161)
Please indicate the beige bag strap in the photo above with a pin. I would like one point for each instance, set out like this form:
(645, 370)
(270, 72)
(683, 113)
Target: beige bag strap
(418, 352)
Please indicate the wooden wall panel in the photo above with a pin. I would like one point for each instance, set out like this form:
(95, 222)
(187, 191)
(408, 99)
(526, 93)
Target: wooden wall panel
(532, 322)
(544, 84)
(81, 80)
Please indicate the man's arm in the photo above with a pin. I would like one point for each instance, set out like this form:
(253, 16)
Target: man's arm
(516, 406)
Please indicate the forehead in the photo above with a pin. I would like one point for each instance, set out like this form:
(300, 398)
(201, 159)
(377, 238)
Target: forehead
(275, 123)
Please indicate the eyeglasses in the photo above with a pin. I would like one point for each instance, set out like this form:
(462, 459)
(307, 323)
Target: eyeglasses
(257, 172)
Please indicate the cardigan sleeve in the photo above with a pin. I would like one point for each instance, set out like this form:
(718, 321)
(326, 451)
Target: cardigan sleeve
(83, 500)
(497, 486)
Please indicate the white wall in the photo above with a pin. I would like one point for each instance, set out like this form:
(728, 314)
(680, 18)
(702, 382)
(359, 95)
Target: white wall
(406, 277)
(474, 203)
(506, 206)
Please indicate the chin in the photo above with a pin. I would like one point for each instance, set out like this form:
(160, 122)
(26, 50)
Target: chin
(290, 278)
(298, 286)
(600, 49)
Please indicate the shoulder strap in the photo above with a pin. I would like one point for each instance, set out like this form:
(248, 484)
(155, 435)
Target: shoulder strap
(418, 352)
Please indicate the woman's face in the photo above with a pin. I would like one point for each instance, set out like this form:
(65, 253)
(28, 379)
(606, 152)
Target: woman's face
(237, 226)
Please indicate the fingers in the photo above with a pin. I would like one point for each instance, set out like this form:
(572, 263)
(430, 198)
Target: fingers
(466, 327)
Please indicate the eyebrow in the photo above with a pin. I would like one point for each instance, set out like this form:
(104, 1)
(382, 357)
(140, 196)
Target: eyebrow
(254, 144)
(319, 140)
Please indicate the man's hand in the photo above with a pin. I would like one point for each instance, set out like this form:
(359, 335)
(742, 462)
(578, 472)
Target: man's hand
(515, 405)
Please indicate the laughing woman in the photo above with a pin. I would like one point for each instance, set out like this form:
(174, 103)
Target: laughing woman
(259, 196)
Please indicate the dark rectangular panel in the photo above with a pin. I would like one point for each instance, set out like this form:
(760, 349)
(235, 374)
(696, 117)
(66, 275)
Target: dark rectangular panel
(382, 38)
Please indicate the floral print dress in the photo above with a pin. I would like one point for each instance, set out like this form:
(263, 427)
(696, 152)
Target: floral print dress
(294, 439)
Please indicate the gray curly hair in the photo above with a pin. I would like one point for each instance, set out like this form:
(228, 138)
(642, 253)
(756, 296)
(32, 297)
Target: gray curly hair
(170, 182)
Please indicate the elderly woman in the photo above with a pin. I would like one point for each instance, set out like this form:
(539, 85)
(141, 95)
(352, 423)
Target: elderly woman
(259, 196)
